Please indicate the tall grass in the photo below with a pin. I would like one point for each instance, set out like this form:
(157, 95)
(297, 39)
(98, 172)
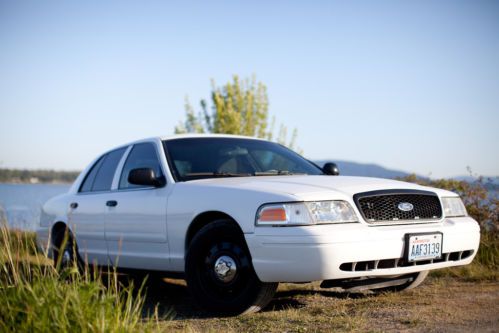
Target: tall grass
(483, 268)
(36, 297)
(488, 252)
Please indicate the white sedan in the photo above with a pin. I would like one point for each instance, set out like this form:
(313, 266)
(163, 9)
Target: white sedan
(235, 216)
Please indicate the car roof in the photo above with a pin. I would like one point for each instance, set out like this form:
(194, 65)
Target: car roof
(203, 135)
(182, 136)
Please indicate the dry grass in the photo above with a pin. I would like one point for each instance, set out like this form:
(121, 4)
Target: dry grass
(459, 299)
(442, 304)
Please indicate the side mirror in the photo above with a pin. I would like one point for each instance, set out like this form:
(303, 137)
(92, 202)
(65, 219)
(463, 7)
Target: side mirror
(145, 177)
(331, 169)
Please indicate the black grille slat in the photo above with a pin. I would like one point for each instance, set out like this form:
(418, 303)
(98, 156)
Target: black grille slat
(385, 208)
(382, 206)
(396, 263)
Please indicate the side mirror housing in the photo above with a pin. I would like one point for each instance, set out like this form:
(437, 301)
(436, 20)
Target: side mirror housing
(145, 177)
(331, 169)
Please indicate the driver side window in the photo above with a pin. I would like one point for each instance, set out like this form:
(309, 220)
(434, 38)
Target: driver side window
(143, 155)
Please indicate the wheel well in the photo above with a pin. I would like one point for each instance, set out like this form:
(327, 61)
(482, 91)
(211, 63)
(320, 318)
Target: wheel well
(57, 230)
(203, 219)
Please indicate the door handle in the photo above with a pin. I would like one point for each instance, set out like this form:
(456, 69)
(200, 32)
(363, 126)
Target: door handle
(112, 203)
(73, 205)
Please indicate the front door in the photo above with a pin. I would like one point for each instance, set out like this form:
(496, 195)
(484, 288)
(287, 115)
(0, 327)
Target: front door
(136, 218)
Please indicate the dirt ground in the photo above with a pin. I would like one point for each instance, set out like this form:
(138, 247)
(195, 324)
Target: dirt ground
(442, 304)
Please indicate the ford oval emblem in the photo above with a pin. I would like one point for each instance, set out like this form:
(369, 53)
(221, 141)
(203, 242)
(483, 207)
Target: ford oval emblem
(405, 206)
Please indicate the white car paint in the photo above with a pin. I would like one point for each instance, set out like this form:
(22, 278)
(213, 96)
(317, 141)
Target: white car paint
(148, 229)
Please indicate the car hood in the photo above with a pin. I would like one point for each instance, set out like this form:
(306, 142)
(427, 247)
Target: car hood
(307, 187)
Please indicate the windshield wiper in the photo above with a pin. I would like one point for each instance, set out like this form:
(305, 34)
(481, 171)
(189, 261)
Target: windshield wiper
(277, 173)
(201, 175)
(214, 174)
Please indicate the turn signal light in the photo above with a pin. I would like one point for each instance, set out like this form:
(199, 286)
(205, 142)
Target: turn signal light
(272, 215)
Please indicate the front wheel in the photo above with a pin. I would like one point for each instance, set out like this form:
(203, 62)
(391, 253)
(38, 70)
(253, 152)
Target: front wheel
(415, 280)
(219, 272)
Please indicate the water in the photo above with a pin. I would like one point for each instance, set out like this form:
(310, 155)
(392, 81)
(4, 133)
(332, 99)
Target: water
(22, 203)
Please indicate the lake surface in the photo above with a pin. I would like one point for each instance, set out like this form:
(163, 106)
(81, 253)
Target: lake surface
(22, 203)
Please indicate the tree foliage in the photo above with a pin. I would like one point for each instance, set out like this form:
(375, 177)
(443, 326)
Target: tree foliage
(239, 107)
(480, 203)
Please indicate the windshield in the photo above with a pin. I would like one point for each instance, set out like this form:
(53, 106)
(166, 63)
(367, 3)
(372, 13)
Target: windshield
(198, 158)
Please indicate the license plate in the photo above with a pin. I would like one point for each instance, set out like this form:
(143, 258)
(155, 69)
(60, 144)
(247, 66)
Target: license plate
(423, 246)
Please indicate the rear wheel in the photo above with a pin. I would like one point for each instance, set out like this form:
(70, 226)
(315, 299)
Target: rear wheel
(65, 251)
(219, 272)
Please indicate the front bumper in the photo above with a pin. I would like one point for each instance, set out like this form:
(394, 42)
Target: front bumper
(342, 251)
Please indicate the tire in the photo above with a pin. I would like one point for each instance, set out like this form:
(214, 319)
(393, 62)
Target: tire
(417, 279)
(66, 252)
(219, 272)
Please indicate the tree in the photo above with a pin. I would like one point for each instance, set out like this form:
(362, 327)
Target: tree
(238, 107)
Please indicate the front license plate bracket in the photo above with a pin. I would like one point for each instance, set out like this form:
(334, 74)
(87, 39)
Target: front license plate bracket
(423, 246)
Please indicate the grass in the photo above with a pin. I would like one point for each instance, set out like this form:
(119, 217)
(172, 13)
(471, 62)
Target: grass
(485, 266)
(36, 297)
(455, 299)
(439, 305)
(488, 252)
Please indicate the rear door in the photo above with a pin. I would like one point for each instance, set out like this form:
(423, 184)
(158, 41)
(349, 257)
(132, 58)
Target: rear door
(87, 210)
(136, 223)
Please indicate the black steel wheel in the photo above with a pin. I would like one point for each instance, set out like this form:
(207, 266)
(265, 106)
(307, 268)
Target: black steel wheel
(219, 272)
(66, 252)
(415, 280)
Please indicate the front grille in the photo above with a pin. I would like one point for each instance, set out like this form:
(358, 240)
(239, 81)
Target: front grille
(384, 206)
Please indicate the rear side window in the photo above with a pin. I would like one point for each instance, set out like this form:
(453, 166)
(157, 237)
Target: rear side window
(100, 178)
(143, 155)
(89, 179)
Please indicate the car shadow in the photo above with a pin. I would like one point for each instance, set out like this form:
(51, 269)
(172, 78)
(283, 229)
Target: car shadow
(322, 292)
(171, 299)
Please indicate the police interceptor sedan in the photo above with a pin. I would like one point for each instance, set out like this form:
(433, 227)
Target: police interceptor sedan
(235, 216)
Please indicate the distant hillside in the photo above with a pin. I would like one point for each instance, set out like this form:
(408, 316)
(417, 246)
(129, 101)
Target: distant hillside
(37, 176)
(494, 180)
(364, 170)
(347, 168)
(491, 183)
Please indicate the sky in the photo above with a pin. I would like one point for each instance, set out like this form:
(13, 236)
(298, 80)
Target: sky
(409, 85)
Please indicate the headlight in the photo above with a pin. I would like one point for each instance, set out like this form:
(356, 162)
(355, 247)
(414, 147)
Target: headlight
(453, 207)
(306, 213)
